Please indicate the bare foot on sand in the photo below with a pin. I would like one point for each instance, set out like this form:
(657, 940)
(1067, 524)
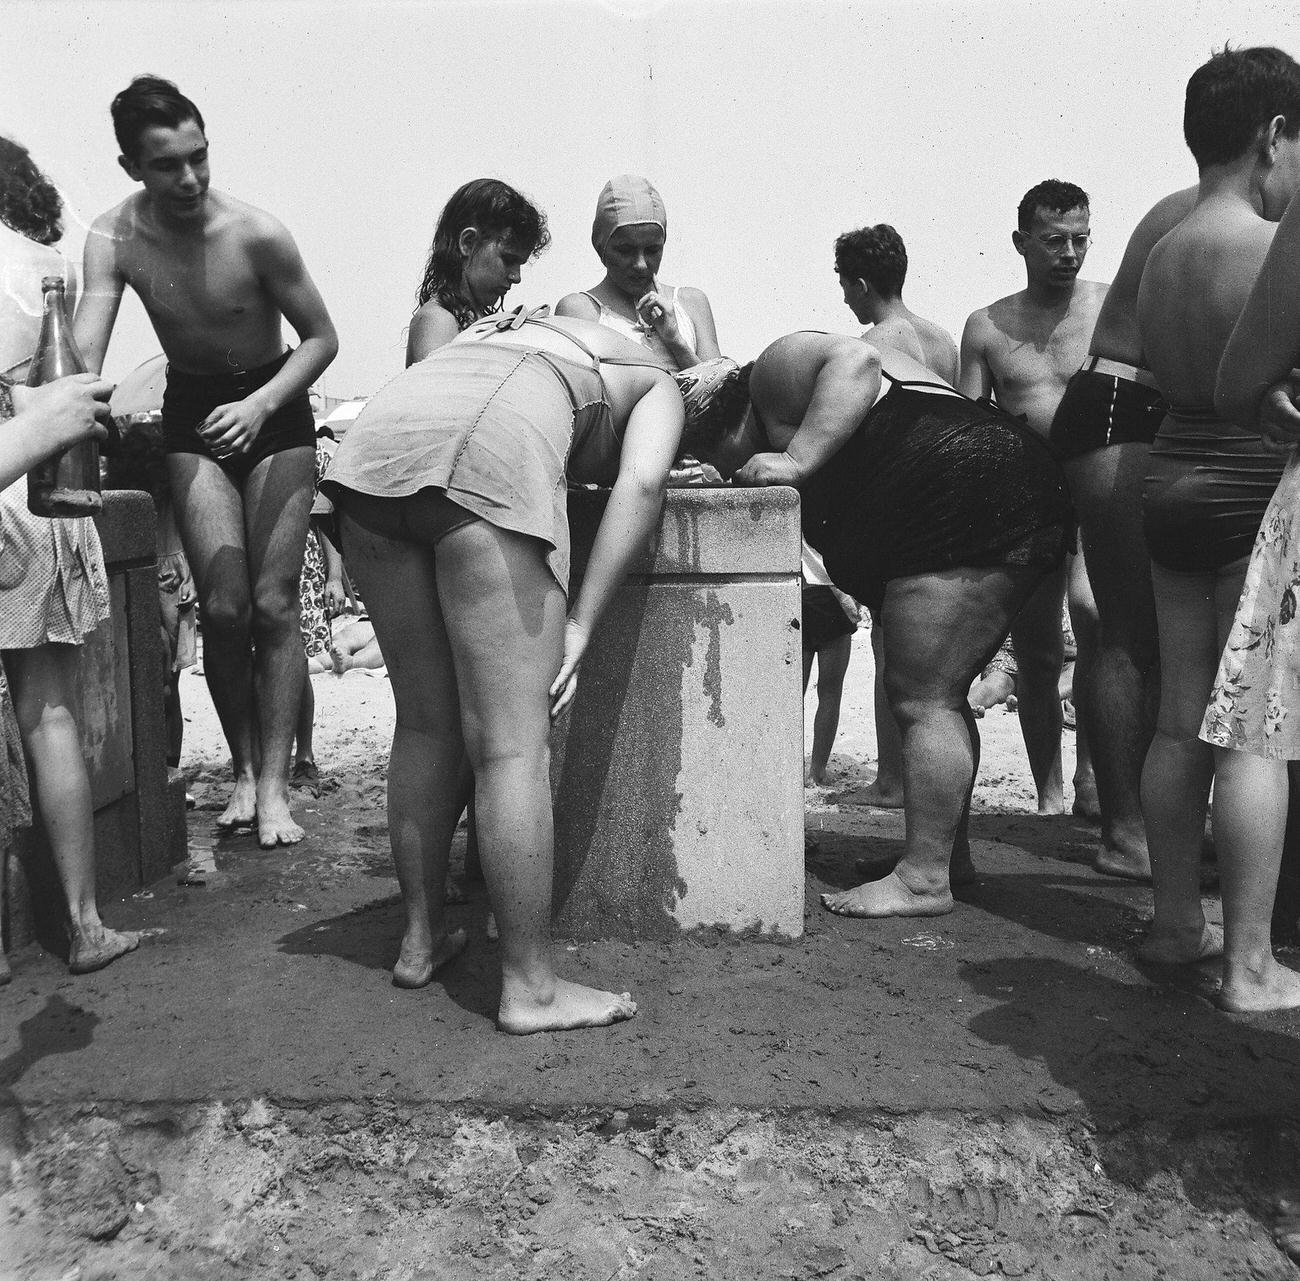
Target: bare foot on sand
(961, 869)
(1286, 1227)
(567, 1005)
(884, 796)
(339, 659)
(416, 967)
(242, 809)
(95, 949)
(888, 897)
(1272, 987)
(1133, 863)
(1182, 946)
(275, 825)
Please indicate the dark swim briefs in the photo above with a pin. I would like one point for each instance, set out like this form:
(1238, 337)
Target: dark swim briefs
(1106, 403)
(1207, 487)
(824, 619)
(934, 482)
(190, 398)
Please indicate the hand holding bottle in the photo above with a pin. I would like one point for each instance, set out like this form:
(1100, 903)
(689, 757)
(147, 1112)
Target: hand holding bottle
(51, 418)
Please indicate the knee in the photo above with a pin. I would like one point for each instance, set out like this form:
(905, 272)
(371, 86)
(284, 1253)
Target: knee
(275, 612)
(227, 612)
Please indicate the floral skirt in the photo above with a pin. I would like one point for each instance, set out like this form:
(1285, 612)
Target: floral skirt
(1255, 704)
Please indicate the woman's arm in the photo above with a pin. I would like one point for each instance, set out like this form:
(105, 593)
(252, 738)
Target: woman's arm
(706, 331)
(650, 443)
(1254, 384)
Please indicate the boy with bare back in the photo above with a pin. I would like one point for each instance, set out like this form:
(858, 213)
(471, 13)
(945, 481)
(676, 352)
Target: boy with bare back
(217, 278)
(1022, 350)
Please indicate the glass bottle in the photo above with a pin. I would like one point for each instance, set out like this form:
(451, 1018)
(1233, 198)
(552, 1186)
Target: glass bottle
(66, 484)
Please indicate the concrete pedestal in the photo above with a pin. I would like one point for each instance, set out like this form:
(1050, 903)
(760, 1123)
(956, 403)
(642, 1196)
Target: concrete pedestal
(139, 817)
(679, 770)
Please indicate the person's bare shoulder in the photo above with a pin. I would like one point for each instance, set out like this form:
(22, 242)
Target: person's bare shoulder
(118, 222)
(578, 306)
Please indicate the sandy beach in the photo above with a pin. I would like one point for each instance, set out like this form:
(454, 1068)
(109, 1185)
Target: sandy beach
(996, 1092)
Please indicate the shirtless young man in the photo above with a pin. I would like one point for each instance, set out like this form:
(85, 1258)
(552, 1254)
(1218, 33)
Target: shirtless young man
(1022, 350)
(217, 278)
(1102, 431)
(871, 264)
(1208, 485)
(940, 514)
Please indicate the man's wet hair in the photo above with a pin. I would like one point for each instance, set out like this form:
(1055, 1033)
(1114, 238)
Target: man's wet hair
(1233, 96)
(496, 210)
(1052, 195)
(29, 202)
(707, 422)
(874, 254)
(150, 102)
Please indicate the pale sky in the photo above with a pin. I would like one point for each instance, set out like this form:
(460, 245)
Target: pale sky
(768, 127)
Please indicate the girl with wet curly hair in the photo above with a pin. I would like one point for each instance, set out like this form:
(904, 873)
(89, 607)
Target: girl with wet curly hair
(485, 234)
(29, 202)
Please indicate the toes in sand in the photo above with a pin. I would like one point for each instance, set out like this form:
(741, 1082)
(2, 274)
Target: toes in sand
(1275, 987)
(1286, 1228)
(91, 952)
(241, 811)
(1182, 947)
(416, 969)
(888, 896)
(570, 1005)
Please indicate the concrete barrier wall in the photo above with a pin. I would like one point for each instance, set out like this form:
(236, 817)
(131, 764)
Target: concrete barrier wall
(139, 817)
(679, 771)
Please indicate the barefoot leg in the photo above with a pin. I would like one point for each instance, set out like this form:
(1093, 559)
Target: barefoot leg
(505, 615)
(210, 512)
(1036, 634)
(940, 629)
(1118, 678)
(885, 791)
(1195, 612)
(44, 688)
(832, 664)
(277, 501)
(399, 581)
(1250, 807)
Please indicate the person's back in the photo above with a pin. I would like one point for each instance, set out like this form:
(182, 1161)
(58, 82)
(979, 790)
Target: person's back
(1193, 289)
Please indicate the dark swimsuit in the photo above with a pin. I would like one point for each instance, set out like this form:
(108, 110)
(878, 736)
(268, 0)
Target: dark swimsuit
(1207, 486)
(935, 482)
(190, 398)
(1106, 403)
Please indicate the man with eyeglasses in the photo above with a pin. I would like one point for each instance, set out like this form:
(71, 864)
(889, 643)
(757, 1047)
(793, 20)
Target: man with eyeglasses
(1020, 351)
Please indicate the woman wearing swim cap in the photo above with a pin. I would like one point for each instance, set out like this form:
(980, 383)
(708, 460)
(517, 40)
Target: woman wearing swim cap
(628, 234)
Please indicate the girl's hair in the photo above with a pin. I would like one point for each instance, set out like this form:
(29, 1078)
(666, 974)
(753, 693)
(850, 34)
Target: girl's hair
(495, 210)
(29, 202)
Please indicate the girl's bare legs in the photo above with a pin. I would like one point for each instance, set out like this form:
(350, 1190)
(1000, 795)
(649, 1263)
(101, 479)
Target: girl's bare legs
(1250, 805)
(400, 588)
(1194, 613)
(832, 664)
(504, 616)
(43, 684)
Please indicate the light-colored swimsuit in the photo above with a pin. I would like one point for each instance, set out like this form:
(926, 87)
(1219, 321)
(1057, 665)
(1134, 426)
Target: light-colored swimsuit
(501, 429)
(642, 334)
